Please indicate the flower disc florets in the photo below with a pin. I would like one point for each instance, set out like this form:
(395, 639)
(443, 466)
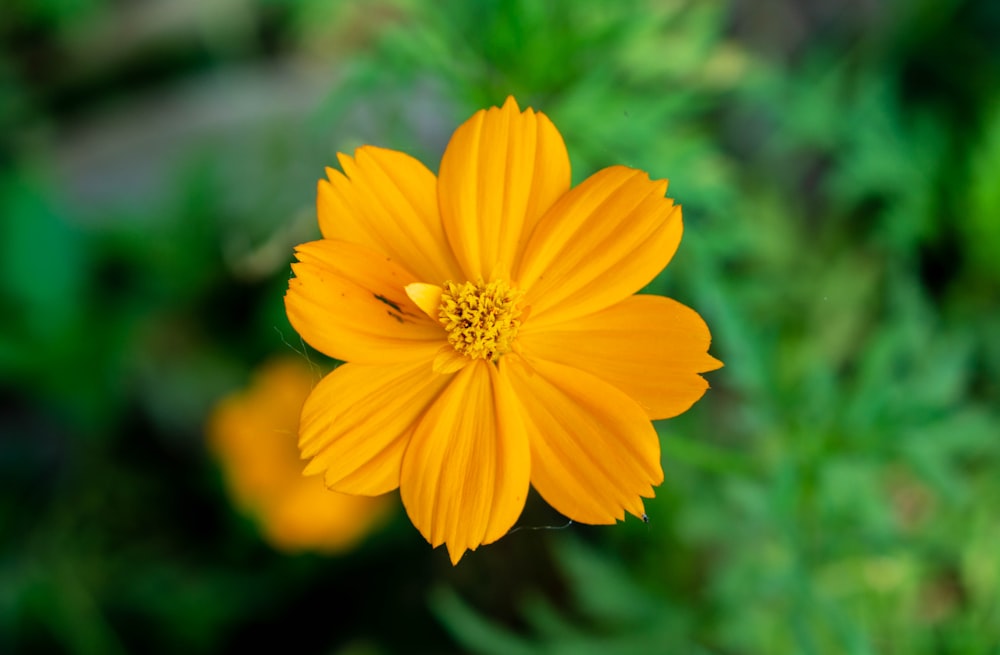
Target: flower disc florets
(481, 318)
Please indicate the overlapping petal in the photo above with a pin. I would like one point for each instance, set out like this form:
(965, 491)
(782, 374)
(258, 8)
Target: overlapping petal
(466, 470)
(650, 347)
(502, 170)
(603, 241)
(358, 420)
(594, 452)
(387, 200)
(349, 302)
(253, 432)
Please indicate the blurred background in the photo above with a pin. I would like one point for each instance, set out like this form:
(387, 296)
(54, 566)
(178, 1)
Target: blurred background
(836, 491)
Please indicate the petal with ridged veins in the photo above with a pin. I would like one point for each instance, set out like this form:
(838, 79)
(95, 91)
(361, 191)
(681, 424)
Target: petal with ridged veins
(358, 420)
(349, 302)
(603, 241)
(387, 200)
(501, 171)
(466, 470)
(594, 452)
(650, 347)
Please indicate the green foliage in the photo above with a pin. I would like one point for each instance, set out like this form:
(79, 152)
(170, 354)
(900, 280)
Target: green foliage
(612, 615)
(981, 224)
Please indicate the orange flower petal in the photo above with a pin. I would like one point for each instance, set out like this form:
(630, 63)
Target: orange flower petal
(254, 434)
(427, 297)
(650, 347)
(500, 173)
(357, 421)
(593, 450)
(311, 517)
(466, 471)
(387, 200)
(602, 242)
(349, 302)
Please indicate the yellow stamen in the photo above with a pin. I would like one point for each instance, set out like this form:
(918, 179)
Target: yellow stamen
(481, 318)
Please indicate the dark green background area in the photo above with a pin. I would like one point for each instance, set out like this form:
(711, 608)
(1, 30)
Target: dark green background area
(836, 491)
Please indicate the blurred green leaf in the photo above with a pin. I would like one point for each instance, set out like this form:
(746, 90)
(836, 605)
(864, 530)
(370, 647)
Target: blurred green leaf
(472, 630)
(980, 225)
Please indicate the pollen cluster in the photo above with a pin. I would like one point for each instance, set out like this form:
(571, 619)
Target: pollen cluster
(481, 318)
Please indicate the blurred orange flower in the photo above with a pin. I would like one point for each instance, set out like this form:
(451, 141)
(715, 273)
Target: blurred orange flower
(492, 336)
(253, 434)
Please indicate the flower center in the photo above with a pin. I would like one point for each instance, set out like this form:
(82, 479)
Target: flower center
(481, 318)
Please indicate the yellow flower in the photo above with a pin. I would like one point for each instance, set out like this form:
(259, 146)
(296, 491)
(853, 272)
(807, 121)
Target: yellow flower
(253, 433)
(491, 332)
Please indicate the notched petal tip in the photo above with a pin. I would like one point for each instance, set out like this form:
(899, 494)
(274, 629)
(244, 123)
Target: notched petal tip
(711, 364)
(510, 105)
(455, 553)
(652, 348)
(386, 200)
(502, 169)
(594, 451)
(466, 470)
(598, 244)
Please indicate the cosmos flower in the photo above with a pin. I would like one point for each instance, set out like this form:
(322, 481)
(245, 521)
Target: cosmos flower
(490, 330)
(253, 435)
